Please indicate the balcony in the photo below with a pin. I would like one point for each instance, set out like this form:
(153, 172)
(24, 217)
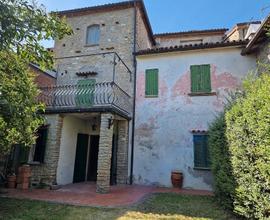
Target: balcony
(96, 97)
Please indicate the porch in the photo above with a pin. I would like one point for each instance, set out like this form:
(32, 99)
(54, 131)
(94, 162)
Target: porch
(84, 147)
(84, 194)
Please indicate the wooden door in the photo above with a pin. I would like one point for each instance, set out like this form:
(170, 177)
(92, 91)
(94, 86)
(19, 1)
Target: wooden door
(93, 158)
(81, 158)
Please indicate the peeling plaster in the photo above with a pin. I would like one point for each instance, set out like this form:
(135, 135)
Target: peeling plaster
(163, 141)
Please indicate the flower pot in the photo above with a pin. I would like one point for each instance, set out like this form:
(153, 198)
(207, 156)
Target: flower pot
(11, 181)
(177, 179)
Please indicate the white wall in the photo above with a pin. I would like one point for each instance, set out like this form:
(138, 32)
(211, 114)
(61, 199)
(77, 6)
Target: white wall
(163, 138)
(71, 127)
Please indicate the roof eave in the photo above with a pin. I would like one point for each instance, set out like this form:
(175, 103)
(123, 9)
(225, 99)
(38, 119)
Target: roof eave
(234, 44)
(258, 33)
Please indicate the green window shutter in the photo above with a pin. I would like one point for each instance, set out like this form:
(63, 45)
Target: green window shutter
(151, 82)
(195, 78)
(200, 78)
(85, 93)
(201, 153)
(206, 78)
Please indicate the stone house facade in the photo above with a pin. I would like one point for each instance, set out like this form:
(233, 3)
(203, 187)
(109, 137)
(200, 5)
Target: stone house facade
(90, 110)
(125, 108)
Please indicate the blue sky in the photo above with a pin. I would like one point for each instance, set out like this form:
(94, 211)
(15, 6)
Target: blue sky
(183, 15)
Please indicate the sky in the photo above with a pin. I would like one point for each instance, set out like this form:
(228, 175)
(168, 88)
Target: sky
(184, 15)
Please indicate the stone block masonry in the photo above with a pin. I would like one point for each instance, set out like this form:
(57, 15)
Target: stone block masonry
(46, 173)
(122, 152)
(104, 154)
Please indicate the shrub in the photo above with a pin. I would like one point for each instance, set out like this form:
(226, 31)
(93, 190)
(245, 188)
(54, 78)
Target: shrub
(224, 183)
(248, 134)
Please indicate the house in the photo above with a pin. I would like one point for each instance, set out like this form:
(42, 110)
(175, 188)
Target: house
(130, 106)
(89, 112)
(180, 90)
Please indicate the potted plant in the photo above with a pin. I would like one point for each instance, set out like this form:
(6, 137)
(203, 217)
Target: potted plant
(11, 180)
(177, 178)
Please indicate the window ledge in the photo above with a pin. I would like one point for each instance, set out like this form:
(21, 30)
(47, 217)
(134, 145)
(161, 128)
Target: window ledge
(202, 94)
(151, 96)
(202, 168)
(91, 45)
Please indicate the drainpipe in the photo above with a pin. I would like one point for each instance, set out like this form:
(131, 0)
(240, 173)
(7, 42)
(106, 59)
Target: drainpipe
(134, 93)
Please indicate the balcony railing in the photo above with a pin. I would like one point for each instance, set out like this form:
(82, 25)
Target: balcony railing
(89, 97)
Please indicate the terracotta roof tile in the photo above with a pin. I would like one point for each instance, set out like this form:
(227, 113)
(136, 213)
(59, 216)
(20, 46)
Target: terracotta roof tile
(219, 30)
(192, 47)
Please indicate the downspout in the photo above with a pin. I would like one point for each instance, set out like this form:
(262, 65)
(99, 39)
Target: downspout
(134, 93)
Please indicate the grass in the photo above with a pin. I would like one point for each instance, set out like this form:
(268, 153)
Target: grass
(158, 206)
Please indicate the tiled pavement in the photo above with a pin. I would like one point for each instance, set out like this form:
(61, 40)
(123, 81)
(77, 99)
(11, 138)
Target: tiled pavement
(84, 194)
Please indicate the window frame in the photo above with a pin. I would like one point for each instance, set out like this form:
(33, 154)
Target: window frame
(157, 78)
(41, 161)
(89, 44)
(207, 90)
(207, 160)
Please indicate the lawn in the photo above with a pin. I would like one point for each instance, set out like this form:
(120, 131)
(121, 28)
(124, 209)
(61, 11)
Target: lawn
(158, 206)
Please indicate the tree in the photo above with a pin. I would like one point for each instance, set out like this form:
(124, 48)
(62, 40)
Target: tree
(23, 26)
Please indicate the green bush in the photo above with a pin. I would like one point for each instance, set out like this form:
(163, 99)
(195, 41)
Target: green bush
(224, 183)
(248, 134)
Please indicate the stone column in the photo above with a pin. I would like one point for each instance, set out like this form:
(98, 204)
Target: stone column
(46, 172)
(122, 152)
(104, 154)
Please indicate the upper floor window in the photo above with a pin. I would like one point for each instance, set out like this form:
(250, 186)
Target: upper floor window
(93, 35)
(200, 78)
(151, 83)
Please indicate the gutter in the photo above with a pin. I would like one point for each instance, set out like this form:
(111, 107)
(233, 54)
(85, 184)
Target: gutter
(134, 95)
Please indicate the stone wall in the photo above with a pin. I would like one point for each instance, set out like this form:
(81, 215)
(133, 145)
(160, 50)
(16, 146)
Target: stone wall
(143, 41)
(104, 153)
(46, 172)
(116, 35)
(122, 152)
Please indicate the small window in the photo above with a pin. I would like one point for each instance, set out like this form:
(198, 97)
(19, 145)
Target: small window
(201, 152)
(93, 35)
(200, 78)
(40, 146)
(151, 83)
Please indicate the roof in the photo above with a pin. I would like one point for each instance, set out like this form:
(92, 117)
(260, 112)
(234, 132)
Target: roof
(259, 35)
(238, 26)
(113, 6)
(47, 72)
(240, 43)
(191, 32)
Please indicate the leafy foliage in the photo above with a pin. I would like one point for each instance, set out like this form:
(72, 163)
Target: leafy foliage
(19, 116)
(248, 133)
(220, 162)
(23, 26)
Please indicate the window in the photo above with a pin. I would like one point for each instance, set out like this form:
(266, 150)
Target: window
(93, 35)
(151, 83)
(201, 153)
(40, 147)
(200, 78)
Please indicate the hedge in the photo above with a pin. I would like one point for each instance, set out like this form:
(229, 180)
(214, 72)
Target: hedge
(224, 183)
(248, 135)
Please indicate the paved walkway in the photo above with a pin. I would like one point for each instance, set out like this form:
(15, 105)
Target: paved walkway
(85, 194)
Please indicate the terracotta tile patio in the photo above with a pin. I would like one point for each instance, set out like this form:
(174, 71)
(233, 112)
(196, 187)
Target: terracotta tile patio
(85, 194)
